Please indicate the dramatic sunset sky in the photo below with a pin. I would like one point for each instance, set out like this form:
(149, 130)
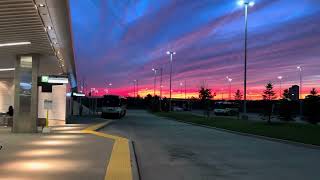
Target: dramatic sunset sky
(118, 41)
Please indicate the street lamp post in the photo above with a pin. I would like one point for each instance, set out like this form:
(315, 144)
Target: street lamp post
(171, 53)
(155, 81)
(110, 84)
(246, 4)
(160, 88)
(136, 88)
(300, 76)
(280, 90)
(300, 89)
(181, 84)
(229, 80)
(222, 93)
(185, 89)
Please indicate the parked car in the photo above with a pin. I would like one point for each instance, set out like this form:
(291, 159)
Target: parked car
(226, 108)
(113, 106)
(177, 108)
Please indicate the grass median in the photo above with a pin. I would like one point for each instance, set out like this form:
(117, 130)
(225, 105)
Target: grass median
(304, 133)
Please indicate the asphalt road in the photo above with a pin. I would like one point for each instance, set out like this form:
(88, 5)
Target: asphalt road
(176, 151)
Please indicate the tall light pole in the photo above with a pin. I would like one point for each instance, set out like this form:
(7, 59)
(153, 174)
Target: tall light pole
(222, 93)
(280, 89)
(246, 5)
(136, 89)
(146, 91)
(155, 81)
(185, 89)
(181, 84)
(229, 80)
(110, 84)
(300, 76)
(160, 88)
(170, 53)
(300, 89)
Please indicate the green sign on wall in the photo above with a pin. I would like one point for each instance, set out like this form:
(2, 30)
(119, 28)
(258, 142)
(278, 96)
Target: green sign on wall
(44, 79)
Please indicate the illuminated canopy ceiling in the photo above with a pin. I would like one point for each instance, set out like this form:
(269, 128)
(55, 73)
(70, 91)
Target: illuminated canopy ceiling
(36, 27)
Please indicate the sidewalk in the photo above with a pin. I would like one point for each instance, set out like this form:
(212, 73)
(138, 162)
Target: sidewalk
(66, 153)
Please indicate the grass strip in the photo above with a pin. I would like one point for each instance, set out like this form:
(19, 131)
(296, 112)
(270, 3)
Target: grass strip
(303, 133)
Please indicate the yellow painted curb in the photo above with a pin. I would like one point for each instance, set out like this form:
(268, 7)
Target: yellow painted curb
(119, 167)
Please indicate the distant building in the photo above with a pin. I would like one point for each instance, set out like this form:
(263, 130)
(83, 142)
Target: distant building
(294, 93)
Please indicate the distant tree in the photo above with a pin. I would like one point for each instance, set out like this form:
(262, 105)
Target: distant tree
(313, 92)
(286, 107)
(148, 97)
(268, 93)
(155, 103)
(238, 95)
(148, 100)
(165, 104)
(311, 107)
(286, 94)
(268, 96)
(205, 93)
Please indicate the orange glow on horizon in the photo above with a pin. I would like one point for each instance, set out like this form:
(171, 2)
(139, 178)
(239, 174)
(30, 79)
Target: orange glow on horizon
(220, 93)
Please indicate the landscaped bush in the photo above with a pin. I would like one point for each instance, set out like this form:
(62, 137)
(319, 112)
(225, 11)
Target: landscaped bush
(286, 110)
(312, 109)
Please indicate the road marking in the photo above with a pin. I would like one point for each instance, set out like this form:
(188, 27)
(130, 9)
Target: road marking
(119, 167)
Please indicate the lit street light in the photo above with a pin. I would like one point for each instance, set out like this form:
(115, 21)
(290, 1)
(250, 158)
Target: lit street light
(160, 88)
(155, 81)
(246, 4)
(229, 80)
(280, 90)
(171, 53)
(300, 74)
(110, 84)
(146, 91)
(181, 84)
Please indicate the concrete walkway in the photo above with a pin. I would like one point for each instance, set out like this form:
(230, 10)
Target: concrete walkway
(67, 153)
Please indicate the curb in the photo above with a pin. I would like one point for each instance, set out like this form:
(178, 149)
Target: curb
(135, 174)
(134, 162)
(254, 136)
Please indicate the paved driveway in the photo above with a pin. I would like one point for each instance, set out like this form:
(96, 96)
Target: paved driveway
(176, 151)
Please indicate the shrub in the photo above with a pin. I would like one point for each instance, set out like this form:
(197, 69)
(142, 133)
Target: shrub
(311, 107)
(286, 110)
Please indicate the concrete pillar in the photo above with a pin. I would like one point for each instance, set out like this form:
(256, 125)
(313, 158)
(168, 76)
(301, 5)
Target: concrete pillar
(26, 94)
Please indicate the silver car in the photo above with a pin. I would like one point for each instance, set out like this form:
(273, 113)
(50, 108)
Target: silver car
(113, 106)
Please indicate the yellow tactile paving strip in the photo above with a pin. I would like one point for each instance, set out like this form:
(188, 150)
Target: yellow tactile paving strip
(119, 167)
